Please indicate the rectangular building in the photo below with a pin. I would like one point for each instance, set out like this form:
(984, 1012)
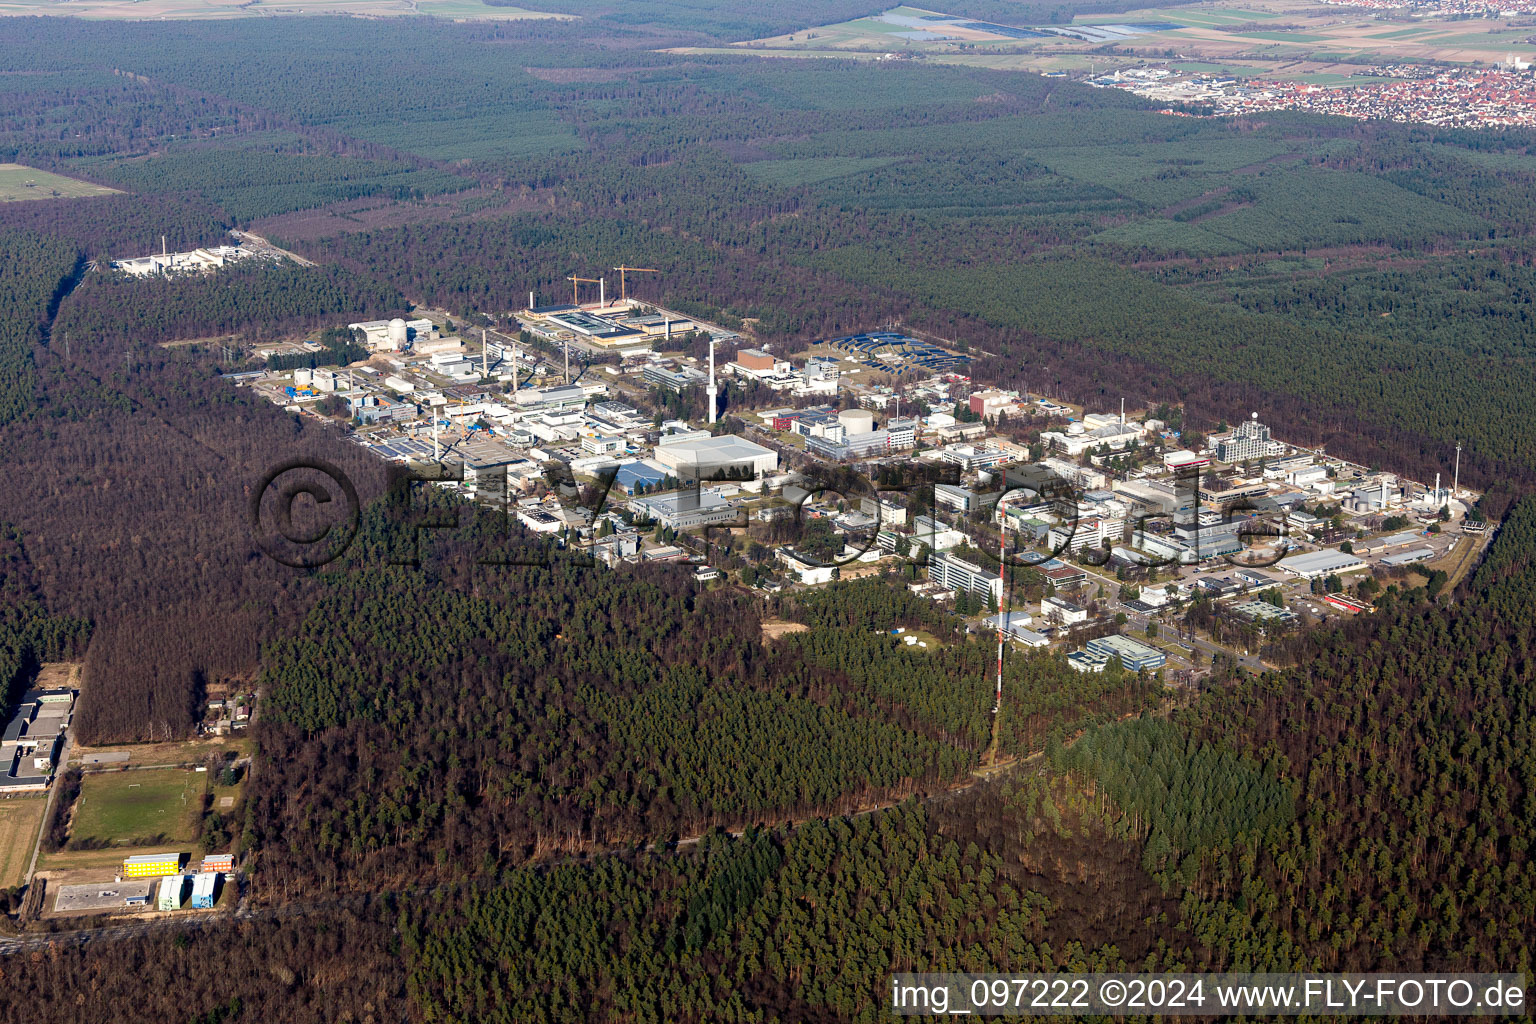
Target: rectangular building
(170, 892)
(204, 886)
(1133, 654)
(709, 455)
(956, 574)
(152, 865)
(1061, 608)
(684, 510)
(1314, 564)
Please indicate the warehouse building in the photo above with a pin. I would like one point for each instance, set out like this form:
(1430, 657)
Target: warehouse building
(1315, 564)
(563, 396)
(1409, 557)
(691, 458)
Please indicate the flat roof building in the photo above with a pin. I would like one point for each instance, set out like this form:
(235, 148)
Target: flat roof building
(956, 574)
(1320, 563)
(1133, 654)
(152, 865)
(1015, 628)
(683, 510)
(709, 455)
(1409, 557)
(169, 897)
(204, 886)
(1262, 612)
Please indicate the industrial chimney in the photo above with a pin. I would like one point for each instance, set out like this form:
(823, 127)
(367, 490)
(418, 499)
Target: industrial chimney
(713, 392)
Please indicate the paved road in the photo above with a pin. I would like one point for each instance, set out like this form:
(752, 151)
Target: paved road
(53, 794)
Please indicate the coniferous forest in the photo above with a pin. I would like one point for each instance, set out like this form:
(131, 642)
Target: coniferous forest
(545, 792)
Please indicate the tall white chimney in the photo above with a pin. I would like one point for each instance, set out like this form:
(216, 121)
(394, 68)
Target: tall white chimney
(531, 303)
(602, 298)
(713, 392)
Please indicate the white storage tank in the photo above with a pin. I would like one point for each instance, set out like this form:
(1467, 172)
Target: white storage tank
(857, 421)
(303, 377)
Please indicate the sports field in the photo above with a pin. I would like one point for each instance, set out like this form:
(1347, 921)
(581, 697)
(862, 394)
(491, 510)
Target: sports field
(20, 818)
(18, 183)
(122, 807)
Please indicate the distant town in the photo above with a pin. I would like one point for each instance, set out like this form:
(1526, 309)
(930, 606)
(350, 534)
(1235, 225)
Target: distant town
(1419, 94)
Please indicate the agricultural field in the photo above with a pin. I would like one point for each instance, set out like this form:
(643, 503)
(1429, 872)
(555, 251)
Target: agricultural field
(126, 806)
(20, 818)
(205, 10)
(18, 183)
(1293, 39)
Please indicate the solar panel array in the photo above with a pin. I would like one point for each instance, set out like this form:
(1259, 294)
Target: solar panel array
(403, 448)
(908, 350)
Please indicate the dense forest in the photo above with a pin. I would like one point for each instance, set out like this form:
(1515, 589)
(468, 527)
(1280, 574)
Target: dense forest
(490, 791)
(256, 300)
(519, 713)
(1270, 826)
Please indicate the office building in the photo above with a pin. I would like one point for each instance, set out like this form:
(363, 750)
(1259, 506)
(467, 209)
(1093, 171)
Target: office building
(1133, 654)
(954, 573)
(1250, 440)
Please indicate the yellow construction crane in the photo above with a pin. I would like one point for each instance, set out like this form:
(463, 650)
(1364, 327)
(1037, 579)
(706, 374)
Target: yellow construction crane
(576, 283)
(623, 289)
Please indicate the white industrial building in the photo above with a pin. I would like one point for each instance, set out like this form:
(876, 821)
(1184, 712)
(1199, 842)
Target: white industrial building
(1014, 624)
(692, 457)
(197, 261)
(393, 335)
(1321, 563)
(1097, 430)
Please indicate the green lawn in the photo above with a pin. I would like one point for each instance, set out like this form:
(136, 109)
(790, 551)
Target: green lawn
(15, 179)
(121, 807)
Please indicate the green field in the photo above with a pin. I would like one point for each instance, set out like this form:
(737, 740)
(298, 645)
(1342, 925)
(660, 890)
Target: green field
(122, 807)
(20, 818)
(18, 183)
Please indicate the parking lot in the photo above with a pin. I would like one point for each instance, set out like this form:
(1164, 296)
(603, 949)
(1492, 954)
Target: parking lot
(100, 896)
